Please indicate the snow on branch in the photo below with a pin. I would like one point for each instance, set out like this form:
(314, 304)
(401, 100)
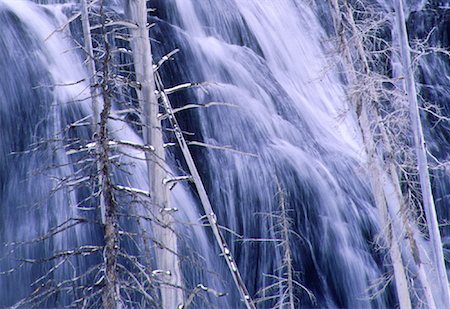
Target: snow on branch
(164, 59)
(69, 21)
(177, 179)
(207, 207)
(184, 86)
(122, 23)
(133, 190)
(199, 288)
(112, 144)
(228, 148)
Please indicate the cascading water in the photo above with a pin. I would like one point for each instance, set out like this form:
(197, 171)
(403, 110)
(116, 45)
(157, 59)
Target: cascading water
(266, 59)
(29, 113)
(280, 107)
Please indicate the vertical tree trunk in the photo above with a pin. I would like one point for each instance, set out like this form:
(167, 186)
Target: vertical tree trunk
(108, 207)
(111, 292)
(93, 90)
(90, 61)
(416, 127)
(166, 256)
(287, 253)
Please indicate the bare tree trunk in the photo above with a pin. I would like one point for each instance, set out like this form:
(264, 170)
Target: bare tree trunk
(111, 293)
(93, 90)
(378, 183)
(108, 206)
(210, 215)
(410, 234)
(377, 175)
(287, 258)
(90, 61)
(167, 259)
(416, 127)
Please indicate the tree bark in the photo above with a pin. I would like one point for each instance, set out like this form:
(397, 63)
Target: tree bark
(287, 253)
(378, 183)
(92, 87)
(111, 293)
(166, 256)
(376, 174)
(207, 207)
(422, 164)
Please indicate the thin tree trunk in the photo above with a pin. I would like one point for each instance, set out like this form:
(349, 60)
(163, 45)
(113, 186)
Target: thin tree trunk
(111, 293)
(108, 206)
(90, 62)
(378, 184)
(287, 258)
(166, 256)
(93, 90)
(211, 216)
(410, 235)
(376, 175)
(416, 127)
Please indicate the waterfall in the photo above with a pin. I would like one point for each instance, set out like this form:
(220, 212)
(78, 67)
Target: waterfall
(269, 61)
(278, 111)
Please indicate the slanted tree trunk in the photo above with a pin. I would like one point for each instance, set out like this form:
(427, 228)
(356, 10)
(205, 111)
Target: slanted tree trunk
(204, 199)
(378, 182)
(377, 175)
(416, 127)
(404, 210)
(163, 229)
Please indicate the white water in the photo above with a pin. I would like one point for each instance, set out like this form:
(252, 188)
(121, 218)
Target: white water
(291, 114)
(267, 58)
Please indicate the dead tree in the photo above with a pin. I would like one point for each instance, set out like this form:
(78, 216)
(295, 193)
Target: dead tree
(166, 255)
(119, 277)
(90, 63)
(380, 150)
(111, 291)
(377, 176)
(420, 150)
(207, 207)
(285, 289)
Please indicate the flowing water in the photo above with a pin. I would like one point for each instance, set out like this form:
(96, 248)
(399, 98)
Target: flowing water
(280, 106)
